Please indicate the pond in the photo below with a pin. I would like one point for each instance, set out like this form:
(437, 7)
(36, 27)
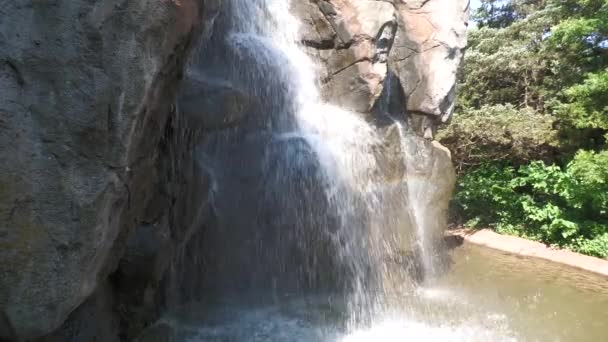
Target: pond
(485, 295)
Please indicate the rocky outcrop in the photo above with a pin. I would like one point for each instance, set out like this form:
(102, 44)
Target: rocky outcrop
(395, 62)
(86, 90)
(426, 55)
(112, 182)
(362, 43)
(351, 40)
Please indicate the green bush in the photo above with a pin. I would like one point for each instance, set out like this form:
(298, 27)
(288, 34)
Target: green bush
(588, 106)
(566, 207)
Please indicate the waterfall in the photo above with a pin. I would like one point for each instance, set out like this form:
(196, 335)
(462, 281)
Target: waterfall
(341, 140)
(321, 223)
(299, 197)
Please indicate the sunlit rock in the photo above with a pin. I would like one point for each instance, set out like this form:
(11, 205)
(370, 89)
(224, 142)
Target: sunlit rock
(428, 49)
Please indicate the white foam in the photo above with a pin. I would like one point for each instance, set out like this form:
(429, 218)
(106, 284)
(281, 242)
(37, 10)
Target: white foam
(396, 330)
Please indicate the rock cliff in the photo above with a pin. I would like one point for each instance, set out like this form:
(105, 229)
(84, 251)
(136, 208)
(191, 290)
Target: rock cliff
(105, 200)
(408, 48)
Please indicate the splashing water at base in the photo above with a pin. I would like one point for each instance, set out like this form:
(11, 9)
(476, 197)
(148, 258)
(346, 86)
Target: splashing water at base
(481, 299)
(275, 328)
(396, 330)
(311, 321)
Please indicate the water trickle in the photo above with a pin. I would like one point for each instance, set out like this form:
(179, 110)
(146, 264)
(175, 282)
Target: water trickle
(418, 187)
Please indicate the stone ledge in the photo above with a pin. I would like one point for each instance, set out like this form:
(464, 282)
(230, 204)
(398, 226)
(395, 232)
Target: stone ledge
(523, 247)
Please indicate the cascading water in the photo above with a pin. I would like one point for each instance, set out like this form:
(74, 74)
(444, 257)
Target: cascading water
(316, 161)
(299, 205)
(344, 143)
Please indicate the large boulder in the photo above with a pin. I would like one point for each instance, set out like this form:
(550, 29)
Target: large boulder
(86, 89)
(351, 40)
(428, 49)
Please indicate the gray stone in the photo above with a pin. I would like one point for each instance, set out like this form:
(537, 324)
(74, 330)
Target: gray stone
(351, 89)
(93, 320)
(372, 16)
(431, 179)
(212, 104)
(85, 91)
(160, 332)
(316, 30)
(399, 59)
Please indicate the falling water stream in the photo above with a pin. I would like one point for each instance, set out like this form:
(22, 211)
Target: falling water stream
(298, 202)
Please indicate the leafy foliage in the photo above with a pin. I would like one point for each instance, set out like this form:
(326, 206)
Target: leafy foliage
(500, 13)
(529, 139)
(588, 106)
(565, 207)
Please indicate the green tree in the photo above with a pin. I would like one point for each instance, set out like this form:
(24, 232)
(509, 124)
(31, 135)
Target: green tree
(501, 13)
(529, 137)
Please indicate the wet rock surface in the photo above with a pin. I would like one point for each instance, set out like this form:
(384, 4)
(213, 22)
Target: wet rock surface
(394, 62)
(109, 202)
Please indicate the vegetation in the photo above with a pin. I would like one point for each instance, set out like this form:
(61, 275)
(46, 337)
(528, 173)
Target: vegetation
(529, 140)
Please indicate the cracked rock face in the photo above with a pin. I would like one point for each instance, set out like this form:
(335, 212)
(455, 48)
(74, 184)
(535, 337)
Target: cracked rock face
(427, 53)
(360, 43)
(351, 40)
